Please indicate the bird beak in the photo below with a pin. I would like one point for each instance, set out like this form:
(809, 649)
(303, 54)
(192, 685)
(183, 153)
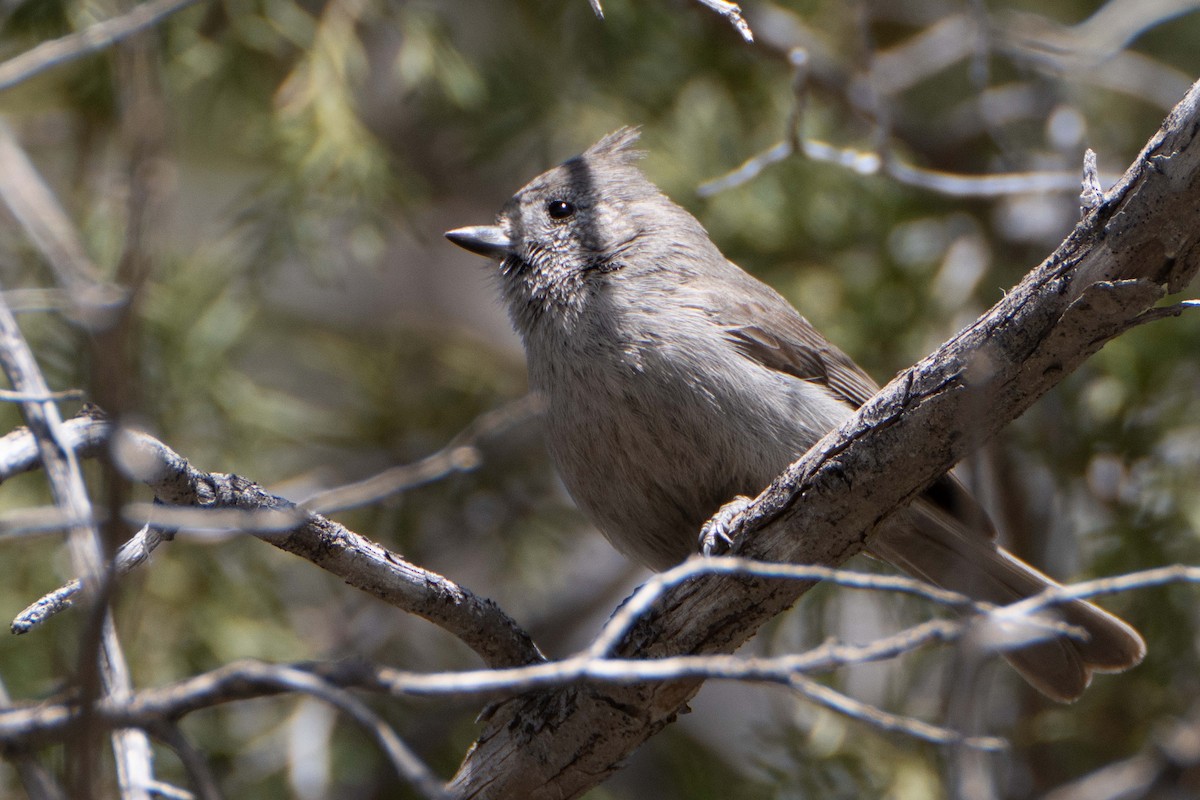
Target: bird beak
(486, 240)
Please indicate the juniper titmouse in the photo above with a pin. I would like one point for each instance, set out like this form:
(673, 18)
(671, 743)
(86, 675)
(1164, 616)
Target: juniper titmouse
(675, 383)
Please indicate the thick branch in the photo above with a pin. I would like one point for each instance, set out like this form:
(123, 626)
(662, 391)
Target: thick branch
(1139, 242)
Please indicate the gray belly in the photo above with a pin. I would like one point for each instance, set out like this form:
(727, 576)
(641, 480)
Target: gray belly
(649, 473)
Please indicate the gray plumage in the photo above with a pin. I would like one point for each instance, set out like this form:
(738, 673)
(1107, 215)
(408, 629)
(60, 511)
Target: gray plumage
(675, 382)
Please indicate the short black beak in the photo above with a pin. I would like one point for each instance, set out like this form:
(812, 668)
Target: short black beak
(486, 240)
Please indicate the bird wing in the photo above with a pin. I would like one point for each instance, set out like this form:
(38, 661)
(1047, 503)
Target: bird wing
(765, 328)
(797, 349)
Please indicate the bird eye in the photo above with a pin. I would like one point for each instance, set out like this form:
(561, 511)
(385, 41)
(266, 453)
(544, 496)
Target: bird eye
(560, 209)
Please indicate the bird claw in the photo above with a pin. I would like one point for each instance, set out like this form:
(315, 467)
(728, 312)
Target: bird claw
(717, 535)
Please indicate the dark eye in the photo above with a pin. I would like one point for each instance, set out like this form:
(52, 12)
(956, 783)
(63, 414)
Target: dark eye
(560, 209)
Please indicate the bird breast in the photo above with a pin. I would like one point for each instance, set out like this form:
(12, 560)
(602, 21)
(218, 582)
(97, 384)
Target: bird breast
(651, 438)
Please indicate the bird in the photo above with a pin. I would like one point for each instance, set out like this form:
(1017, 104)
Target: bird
(676, 385)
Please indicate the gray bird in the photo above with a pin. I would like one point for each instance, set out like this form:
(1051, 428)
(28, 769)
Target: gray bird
(676, 385)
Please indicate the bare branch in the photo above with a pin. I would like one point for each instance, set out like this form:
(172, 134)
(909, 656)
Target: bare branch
(730, 11)
(92, 40)
(459, 455)
(197, 496)
(408, 767)
(867, 163)
(155, 708)
(131, 554)
(652, 590)
(884, 720)
(18, 397)
(166, 791)
(1096, 39)
(45, 607)
(252, 679)
(1092, 195)
(132, 748)
(38, 520)
(1171, 750)
(84, 434)
(57, 457)
(192, 759)
(36, 780)
(870, 163)
(34, 205)
(1099, 587)
(733, 13)
(244, 680)
(950, 40)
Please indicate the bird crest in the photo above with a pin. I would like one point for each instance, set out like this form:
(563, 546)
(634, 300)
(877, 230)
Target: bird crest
(617, 146)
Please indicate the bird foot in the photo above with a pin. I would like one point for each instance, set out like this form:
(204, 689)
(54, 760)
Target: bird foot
(717, 535)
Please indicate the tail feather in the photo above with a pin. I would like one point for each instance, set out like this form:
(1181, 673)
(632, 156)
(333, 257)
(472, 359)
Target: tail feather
(936, 548)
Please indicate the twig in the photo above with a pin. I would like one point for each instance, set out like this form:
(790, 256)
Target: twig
(996, 185)
(35, 520)
(459, 455)
(153, 709)
(1095, 40)
(948, 40)
(865, 162)
(131, 746)
(9, 396)
(83, 434)
(59, 460)
(245, 680)
(652, 590)
(167, 791)
(93, 39)
(47, 225)
(192, 759)
(1162, 312)
(733, 13)
(730, 11)
(408, 767)
(1092, 195)
(57, 457)
(885, 720)
(1099, 587)
(45, 607)
(259, 522)
(196, 495)
(24, 301)
(591, 664)
(131, 554)
(35, 779)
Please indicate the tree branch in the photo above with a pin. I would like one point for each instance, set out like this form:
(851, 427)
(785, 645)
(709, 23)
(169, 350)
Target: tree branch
(240, 504)
(102, 660)
(90, 40)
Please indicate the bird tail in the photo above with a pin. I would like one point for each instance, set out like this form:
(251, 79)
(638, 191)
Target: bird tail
(938, 549)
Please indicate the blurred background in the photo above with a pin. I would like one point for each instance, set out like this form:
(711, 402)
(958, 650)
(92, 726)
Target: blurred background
(273, 178)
